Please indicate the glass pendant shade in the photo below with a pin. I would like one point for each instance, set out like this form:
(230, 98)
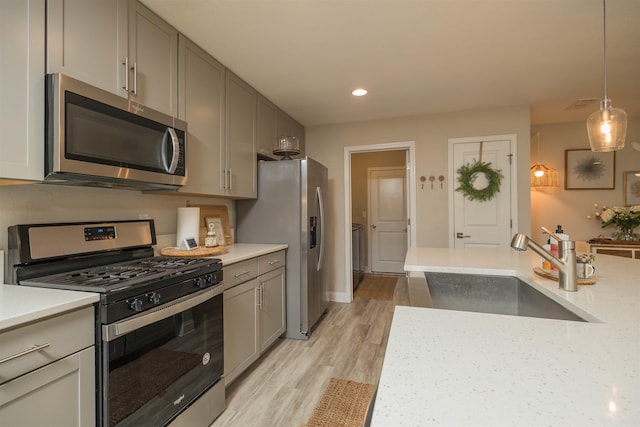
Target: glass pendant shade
(543, 176)
(607, 128)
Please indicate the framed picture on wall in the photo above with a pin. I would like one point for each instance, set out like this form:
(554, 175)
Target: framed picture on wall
(631, 188)
(588, 170)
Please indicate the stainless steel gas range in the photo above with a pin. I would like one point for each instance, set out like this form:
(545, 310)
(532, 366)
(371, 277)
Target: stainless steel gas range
(159, 327)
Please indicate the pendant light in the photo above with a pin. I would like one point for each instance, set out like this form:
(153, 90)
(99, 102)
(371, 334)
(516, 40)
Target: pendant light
(607, 127)
(541, 175)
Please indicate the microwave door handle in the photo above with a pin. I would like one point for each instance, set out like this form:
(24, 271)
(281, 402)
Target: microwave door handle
(175, 144)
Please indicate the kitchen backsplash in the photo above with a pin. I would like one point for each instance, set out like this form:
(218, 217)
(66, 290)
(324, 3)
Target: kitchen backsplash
(42, 203)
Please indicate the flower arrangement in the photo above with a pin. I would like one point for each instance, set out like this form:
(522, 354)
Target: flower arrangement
(585, 258)
(626, 219)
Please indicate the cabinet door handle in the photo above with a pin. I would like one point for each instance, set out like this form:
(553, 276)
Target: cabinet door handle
(135, 78)
(242, 273)
(126, 73)
(230, 180)
(262, 296)
(258, 297)
(275, 261)
(24, 353)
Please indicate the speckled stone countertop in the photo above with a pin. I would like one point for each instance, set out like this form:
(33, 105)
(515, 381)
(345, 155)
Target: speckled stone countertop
(454, 368)
(243, 251)
(23, 304)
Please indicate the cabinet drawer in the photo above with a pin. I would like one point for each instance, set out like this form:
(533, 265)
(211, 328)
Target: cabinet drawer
(240, 272)
(270, 262)
(59, 394)
(59, 337)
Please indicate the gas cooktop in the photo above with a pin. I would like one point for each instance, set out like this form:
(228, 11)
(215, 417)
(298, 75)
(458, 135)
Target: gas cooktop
(107, 278)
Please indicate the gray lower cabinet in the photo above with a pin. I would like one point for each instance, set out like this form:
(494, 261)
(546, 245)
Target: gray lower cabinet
(272, 307)
(22, 32)
(254, 310)
(47, 372)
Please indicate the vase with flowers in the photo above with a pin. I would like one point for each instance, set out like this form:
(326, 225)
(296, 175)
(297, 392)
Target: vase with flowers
(626, 219)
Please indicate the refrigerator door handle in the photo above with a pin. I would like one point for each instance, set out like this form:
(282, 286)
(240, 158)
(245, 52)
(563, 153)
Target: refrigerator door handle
(321, 206)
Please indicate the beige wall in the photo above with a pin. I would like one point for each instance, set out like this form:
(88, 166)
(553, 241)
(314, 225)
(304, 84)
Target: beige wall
(42, 203)
(430, 133)
(360, 162)
(553, 206)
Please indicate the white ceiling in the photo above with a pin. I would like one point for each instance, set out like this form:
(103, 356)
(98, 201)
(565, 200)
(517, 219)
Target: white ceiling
(420, 56)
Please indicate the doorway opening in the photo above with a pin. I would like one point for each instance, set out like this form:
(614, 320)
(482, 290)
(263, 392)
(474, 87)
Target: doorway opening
(392, 166)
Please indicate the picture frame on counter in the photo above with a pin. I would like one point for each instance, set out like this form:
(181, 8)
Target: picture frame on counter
(217, 228)
(631, 188)
(588, 170)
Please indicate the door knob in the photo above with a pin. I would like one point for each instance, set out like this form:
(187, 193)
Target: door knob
(461, 236)
(373, 226)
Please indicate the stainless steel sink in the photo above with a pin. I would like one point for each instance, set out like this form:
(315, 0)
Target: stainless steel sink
(492, 294)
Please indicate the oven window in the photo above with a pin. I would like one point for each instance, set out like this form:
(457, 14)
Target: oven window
(158, 370)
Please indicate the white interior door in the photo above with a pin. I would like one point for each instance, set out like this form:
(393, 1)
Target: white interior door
(488, 223)
(388, 219)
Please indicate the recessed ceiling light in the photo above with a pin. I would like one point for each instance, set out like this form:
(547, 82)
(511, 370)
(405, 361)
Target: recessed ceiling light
(359, 92)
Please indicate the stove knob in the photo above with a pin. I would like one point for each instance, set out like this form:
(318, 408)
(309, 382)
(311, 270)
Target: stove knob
(209, 278)
(154, 298)
(198, 282)
(136, 305)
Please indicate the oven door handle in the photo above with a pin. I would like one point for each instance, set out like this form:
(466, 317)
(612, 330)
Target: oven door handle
(115, 330)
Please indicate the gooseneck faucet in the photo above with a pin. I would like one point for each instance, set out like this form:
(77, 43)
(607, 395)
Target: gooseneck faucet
(566, 263)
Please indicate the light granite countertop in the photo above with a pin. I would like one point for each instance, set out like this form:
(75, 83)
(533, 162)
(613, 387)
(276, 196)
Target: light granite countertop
(243, 251)
(454, 368)
(23, 304)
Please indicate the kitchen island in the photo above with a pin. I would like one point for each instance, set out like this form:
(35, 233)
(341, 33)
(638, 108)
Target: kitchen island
(455, 368)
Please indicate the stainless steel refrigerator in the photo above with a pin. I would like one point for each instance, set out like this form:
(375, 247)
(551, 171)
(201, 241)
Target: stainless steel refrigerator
(291, 208)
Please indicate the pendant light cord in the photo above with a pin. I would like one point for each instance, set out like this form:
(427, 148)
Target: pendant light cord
(604, 26)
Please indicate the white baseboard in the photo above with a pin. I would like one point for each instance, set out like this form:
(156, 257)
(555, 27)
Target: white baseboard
(339, 297)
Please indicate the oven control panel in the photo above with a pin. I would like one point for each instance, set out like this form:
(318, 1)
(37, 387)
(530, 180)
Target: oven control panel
(99, 233)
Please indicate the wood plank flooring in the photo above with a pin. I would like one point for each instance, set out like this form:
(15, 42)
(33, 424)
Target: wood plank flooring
(283, 387)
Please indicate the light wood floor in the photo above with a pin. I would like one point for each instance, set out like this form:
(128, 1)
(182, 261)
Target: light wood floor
(283, 387)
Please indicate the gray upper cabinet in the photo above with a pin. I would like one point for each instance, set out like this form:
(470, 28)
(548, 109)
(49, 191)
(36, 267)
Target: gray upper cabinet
(289, 127)
(22, 40)
(272, 124)
(87, 40)
(298, 130)
(267, 130)
(240, 141)
(152, 60)
(117, 45)
(285, 124)
(201, 90)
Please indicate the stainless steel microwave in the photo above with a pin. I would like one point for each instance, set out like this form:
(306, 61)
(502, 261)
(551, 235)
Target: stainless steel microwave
(94, 137)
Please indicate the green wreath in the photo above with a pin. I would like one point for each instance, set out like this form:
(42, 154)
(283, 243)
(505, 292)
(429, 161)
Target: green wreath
(467, 175)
